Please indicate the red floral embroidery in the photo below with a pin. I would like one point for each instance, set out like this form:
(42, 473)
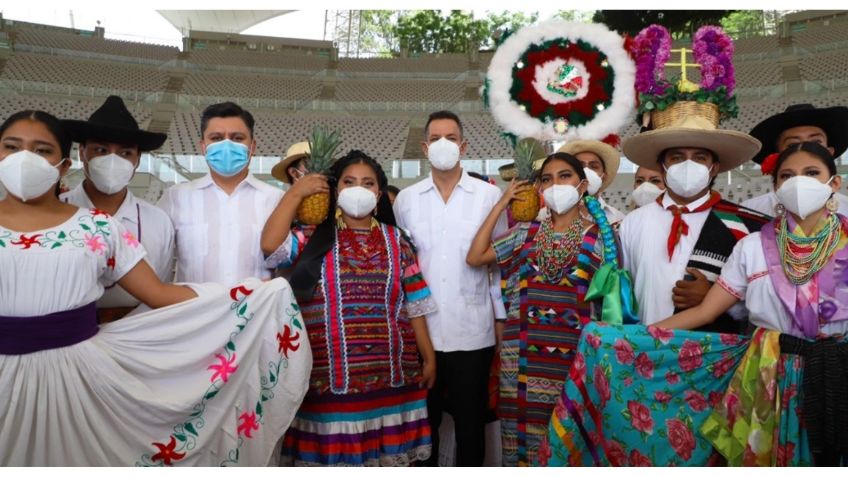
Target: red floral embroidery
(640, 417)
(224, 368)
(95, 212)
(623, 351)
(239, 289)
(791, 392)
(696, 400)
(729, 339)
(715, 398)
(578, 368)
(615, 453)
(638, 460)
(248, 424)
(602, 385)
(681, 438)
(594, 341)
(287, 341)
(166, 452)
(785, 453)
(644, 366)
(724, 366)
(672, 377)
(661, 334)
(662, 397)
(27, 242)
(690, 357)
(110, 262)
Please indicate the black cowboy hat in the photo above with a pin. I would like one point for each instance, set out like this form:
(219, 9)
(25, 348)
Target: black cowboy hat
(112, 122)
(833, 121)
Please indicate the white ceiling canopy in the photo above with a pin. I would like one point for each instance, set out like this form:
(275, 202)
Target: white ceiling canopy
(220, 21)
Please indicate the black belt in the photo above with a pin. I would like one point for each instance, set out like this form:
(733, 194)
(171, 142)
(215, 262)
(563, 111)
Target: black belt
(824, 403)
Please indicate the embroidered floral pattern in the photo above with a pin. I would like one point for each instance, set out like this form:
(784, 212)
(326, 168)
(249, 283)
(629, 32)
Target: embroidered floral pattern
(130, 239)
(95, 243)
(184, 437)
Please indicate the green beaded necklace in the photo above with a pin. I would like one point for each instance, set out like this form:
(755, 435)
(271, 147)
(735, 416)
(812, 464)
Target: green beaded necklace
(553, 254)
(801, 256)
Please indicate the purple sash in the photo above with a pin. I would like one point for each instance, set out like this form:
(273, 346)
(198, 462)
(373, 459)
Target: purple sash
(56, 330)
(805, 319)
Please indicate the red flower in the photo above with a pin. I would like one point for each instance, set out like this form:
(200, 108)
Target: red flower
(241, 288)
(95, 212)
(662, 397)
(287, 341)
(166, 452)
(628, 381)
(729, 339)
(767, 166)
(639, 460)
(578, 368)
(791, 392)
(723, 366)
(248, 424)
(714, 398)
(690, 356)
(661, 334)
(681, 438)
(732, 404)
(602, 385)
(224, 369)
(696, 400)
(644, 366)
(27, 242)
(593, 340)
(110, 262)
(640, 417)
(615, 454)
(623, 351)
(785, 453)
(672, 377)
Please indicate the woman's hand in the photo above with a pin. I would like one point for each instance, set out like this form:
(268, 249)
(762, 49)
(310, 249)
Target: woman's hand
(308, 185)
(428, 374)
(514, 188)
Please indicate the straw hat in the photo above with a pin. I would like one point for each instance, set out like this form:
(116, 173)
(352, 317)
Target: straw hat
(733, 148)
(296, 151)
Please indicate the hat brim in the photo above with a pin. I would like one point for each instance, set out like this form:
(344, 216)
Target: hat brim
(732, 148)
(82, 131)
(607, 153)
(279, 169)
(833, 121)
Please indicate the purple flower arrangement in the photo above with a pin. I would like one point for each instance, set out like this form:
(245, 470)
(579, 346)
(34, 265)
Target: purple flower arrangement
(651, 49)
(713, 50)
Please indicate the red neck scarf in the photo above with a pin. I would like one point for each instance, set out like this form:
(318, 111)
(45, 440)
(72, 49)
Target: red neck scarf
(678, 225)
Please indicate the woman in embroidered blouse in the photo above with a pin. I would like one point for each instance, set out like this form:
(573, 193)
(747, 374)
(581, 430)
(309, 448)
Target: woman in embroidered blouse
(71, 392)
(777, 397)
(363, 299)
(547, 269)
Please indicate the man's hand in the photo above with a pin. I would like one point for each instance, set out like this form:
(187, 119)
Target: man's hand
(689, 293)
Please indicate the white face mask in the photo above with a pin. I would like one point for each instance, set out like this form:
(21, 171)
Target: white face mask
(26, 175)
(560, 198)
(594, 181)
(357, 201)
(111, 173)
(687, 178)
(804, 195)
(645, 194)
(443, 154)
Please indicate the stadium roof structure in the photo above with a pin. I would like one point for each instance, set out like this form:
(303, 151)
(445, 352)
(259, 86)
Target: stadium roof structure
(219, 21)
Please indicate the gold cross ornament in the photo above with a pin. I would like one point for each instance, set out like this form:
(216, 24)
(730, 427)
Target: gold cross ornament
(683, 63)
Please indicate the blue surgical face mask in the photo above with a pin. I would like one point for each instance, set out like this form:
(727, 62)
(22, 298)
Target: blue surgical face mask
(226, 157)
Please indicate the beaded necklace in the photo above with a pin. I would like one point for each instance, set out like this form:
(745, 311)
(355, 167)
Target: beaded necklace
(801, 256)
(555, 253)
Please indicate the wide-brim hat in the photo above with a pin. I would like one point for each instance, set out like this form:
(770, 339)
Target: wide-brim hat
(296, 151)
(733, 148)
(833, 121)
(112, 122)
(607, 153)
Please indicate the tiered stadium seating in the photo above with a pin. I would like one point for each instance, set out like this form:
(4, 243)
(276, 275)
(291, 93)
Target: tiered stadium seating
(248, 85)
(756, 44)
(825, 66)
(763, 73)
(430, 64)
(71, 41)
(65, 108)
(258, 59)
(400, 91)
(820, 36)
(484, 137)
(62, 70)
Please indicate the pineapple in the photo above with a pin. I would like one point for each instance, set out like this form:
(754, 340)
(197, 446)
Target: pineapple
(322, 145)
(527, 151)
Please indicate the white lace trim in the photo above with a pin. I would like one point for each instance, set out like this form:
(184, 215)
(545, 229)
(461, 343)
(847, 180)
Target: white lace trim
(422, 307)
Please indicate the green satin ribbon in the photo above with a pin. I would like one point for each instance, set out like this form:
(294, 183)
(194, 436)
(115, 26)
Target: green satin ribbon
(615, 287)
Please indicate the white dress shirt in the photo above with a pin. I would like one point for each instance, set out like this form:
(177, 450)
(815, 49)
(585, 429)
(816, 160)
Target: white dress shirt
(442, 234)
(766, 203)
(218, 235)
(644, 237)
(151, 227)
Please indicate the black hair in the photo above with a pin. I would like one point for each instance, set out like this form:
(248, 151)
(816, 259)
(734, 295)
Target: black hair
(49, 121)
(294, 164)
(393, 189)
(477, 175)
(813, 148)
(225, 110)
(307, 271)
(441, 115)
(568, 159)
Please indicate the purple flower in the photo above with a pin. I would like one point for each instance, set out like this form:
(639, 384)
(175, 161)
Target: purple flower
(713, 50)
(651, 49)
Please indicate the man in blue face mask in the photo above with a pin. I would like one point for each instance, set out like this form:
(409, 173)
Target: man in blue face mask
(219, 217)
